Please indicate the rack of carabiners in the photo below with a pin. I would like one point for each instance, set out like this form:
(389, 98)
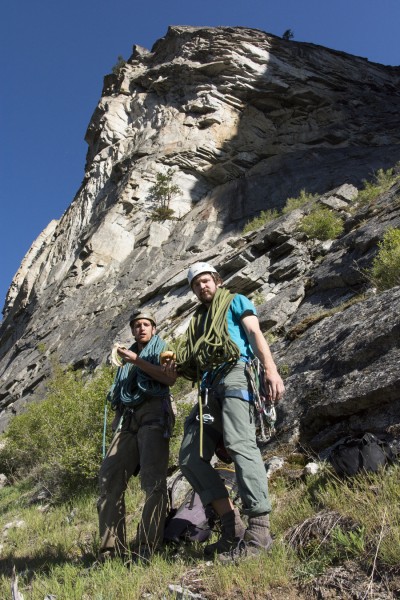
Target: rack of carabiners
(264, 407)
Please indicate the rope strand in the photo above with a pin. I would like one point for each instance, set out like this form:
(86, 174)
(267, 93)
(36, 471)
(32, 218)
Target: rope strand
(207, 343)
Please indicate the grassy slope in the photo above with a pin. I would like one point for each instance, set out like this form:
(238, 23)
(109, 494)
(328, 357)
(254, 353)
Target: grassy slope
(328, 532)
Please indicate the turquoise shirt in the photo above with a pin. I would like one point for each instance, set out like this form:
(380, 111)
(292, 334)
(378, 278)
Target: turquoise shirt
(240, 307)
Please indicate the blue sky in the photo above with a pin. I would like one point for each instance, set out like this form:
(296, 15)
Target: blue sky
(54, 56)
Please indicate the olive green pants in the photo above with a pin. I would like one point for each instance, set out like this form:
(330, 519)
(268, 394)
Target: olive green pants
(232, 418)
(139, 444)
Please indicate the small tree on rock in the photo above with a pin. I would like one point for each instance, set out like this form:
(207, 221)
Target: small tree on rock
(163, 191)
(288, 34)
(121, 62)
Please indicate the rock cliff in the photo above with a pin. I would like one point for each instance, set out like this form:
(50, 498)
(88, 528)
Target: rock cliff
(244, 120)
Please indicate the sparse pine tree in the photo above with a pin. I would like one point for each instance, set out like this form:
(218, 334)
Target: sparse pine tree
(162, 192)
(288, 34)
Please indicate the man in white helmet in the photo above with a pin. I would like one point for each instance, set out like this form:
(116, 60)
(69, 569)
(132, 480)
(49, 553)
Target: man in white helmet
(144, 421)
(223, 336)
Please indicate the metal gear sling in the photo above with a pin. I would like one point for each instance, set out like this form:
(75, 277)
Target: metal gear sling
(264, 408)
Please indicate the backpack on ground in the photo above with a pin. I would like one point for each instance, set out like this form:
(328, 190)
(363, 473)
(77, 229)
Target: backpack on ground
(189, 520)
(361, 453)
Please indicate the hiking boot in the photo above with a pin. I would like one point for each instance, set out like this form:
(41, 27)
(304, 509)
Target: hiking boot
(256, 540)
(242, 551)
(232, 530)
(258, 531)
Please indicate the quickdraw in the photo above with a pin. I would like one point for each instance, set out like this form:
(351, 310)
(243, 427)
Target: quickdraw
(264, 407)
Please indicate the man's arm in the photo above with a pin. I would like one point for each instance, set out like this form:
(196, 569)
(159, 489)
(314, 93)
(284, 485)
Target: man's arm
(166, 375)
(261, 349)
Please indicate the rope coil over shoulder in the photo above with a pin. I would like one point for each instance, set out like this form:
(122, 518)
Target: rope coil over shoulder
(207, 344)
(121, 389)
(131, 383)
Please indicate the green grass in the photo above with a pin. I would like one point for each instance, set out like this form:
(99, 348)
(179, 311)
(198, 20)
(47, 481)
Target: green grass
(385, 270)
(319, 522)
(382, 182)
(356, 519)
(265, 216)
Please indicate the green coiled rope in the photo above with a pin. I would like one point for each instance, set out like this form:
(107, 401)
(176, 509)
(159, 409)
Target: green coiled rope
(207, 344)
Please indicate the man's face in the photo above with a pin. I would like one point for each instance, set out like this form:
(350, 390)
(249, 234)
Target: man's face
(204, 287)
(142, 330)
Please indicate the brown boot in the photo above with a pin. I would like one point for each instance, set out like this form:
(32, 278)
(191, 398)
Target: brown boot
(258, 531)
(256, 540)
(232, 530)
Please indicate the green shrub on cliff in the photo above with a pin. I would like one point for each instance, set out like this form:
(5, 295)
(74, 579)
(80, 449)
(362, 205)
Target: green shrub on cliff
(121, 62)
(265, 216)
(385, 271)
(322, 224)
(383, 181)
(302, 199)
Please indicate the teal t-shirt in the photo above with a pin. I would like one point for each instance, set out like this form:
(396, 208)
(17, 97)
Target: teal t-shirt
(240, 307)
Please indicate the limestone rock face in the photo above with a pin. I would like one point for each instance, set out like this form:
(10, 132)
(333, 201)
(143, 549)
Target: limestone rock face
(244, 120)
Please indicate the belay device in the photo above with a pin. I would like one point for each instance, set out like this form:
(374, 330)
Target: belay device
(264, 407)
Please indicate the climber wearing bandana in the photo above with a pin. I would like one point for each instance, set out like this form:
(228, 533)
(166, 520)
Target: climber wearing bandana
(143, 425)
(223, 336)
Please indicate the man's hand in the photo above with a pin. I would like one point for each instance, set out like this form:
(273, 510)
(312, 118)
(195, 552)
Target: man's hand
(127, 355)
(169, 367)
(274, 385)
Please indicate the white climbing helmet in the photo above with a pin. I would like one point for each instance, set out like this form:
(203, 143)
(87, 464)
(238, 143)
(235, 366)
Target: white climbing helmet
(144, 314)
(199, 268)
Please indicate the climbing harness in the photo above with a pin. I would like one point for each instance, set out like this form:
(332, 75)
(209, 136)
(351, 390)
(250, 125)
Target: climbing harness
(167, 422)
(264, 407)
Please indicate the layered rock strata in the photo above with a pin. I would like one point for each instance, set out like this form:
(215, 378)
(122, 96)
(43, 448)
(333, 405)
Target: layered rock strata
(244, 120)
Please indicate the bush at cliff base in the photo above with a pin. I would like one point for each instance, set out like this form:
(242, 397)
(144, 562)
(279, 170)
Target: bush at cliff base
(58, 441)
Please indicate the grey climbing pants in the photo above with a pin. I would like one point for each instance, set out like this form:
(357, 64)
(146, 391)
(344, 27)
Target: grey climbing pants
(139, 444)
(233, 418)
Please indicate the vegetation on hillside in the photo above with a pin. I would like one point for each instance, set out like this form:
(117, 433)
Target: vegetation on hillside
(323, 223)
(119, 65)
(382, 181)
(58, 442)
(321, 524)
(265, 216)
(385, 270)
